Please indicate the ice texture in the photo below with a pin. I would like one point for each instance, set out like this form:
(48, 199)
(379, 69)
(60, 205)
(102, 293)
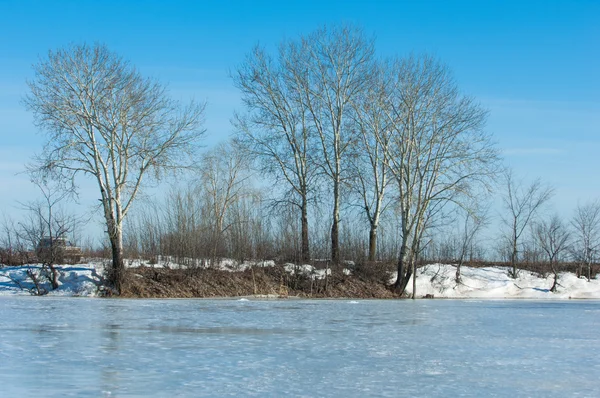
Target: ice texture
(56, 346)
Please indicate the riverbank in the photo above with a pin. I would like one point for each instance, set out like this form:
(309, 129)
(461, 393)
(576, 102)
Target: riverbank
(268, 280)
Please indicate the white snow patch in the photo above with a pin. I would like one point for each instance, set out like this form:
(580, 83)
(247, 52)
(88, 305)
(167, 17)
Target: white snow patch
(225, 264)
(73, 280)
(307, 270)
(495, 282)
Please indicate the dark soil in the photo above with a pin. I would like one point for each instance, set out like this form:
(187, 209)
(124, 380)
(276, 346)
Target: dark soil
(145, 282)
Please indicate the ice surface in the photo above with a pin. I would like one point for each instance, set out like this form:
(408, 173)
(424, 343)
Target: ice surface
(55, 347)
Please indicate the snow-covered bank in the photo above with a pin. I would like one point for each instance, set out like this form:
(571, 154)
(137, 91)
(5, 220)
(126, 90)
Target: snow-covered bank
(494, 282)
(435, 279)
(73, 280)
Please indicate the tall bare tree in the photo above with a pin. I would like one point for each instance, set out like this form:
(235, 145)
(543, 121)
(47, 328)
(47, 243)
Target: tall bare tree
(275, 128)
(553, 238)
(522, 204)
(438, 149)
(335, 67)
(370, 175)
(102, 118)
(586, 223)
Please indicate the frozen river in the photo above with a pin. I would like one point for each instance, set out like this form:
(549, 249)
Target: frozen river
(57, 347)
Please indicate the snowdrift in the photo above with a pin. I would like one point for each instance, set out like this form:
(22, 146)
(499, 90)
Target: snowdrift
(439, 280)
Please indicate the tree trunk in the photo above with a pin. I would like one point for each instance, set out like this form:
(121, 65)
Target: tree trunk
(335, 243)
(554, 266)
(118, 265)
(53, 276)
(414, 278)
(305, 244)
(553, 288)
(402, 279)
(589, 271)
(415, 256)
(513, 260)
(401, 287)
(372, 243)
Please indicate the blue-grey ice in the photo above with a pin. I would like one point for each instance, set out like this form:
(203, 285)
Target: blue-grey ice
(56, 347)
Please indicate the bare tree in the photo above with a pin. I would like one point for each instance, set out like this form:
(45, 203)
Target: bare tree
(553, 238)
(438, 149)
(275, 128)
(104, 120)
(522, 204)
(475, 218)
(335, 68)
(586, 223)
(370, 175)
(45, 229)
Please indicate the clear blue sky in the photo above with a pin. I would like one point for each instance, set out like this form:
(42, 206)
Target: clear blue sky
(534, 64)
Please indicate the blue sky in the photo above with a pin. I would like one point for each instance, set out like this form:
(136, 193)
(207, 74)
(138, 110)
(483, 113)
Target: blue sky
(534, 64)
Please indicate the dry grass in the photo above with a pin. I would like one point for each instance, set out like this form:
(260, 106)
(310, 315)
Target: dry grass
(144, 282)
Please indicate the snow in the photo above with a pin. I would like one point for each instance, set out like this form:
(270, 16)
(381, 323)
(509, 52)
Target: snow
(495, 283)
(437, 280)
(73, 280)
(306, 269)
(225, 264)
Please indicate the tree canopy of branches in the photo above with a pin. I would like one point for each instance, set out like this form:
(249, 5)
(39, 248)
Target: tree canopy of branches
(103, 119)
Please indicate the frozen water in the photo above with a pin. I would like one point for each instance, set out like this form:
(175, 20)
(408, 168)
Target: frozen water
(57, 347)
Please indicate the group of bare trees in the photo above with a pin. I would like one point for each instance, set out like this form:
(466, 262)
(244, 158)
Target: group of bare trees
(331, 141)
(556, 239)
(325, 115)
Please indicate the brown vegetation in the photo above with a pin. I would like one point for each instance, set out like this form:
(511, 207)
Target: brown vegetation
(145, 282)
